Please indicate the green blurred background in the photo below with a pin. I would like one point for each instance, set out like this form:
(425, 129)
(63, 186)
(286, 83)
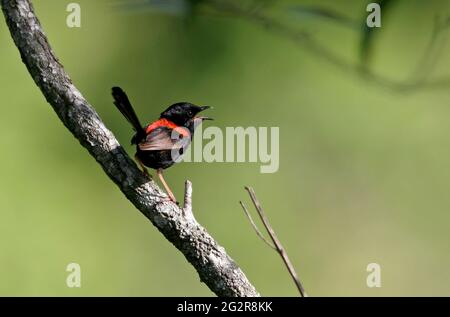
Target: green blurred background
(364, 171)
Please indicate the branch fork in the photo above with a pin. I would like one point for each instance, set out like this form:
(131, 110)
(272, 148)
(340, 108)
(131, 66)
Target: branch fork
(275, 244)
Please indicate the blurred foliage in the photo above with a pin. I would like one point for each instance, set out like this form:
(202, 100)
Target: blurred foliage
(314, 12)
(363, 173)
(368, 34)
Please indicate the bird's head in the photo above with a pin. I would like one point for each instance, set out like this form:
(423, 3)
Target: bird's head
(182, 113)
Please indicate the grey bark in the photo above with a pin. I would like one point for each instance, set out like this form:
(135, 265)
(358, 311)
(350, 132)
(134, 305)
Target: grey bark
(215, 268)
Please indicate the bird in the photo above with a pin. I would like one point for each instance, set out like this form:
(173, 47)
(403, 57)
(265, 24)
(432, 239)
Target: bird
(161, 143)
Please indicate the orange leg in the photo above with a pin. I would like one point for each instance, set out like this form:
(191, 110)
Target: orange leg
(169, 192)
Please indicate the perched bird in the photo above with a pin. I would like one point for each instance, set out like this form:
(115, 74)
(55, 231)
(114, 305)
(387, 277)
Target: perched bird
(161, 143)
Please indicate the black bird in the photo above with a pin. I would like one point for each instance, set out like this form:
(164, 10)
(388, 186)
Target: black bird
(161, 143)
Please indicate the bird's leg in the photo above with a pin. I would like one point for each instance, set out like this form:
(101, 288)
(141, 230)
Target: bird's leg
(169, 192)
(144, 169)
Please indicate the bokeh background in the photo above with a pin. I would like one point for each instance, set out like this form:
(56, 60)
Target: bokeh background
(364, 169)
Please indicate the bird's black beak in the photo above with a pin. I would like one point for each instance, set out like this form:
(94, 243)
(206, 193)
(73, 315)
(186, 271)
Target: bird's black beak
(203, 117)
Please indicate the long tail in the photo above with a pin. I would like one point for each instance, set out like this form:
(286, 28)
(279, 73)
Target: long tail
(123, 104)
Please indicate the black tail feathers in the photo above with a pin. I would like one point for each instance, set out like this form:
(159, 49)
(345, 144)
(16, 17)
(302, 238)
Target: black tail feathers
(123, 104)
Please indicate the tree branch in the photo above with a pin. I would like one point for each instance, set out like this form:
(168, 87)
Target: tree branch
(215, 267)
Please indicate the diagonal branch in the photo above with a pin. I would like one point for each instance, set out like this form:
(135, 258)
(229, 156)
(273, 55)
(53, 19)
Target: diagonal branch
(215, 267)
(276, 242)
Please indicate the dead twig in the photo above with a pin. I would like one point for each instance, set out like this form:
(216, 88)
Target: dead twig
(187, 207)
(277, 246)
(256, 227)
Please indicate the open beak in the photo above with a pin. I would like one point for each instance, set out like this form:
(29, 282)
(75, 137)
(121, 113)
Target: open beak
(203, 117)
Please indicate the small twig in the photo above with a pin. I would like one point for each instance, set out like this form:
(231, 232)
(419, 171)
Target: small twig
(256, 227)
(278, 247)
(187, 208)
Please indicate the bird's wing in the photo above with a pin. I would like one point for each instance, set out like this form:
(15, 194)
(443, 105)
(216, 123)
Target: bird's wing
(161, 139)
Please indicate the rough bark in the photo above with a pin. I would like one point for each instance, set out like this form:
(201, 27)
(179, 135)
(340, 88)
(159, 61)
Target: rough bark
(215, 267)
